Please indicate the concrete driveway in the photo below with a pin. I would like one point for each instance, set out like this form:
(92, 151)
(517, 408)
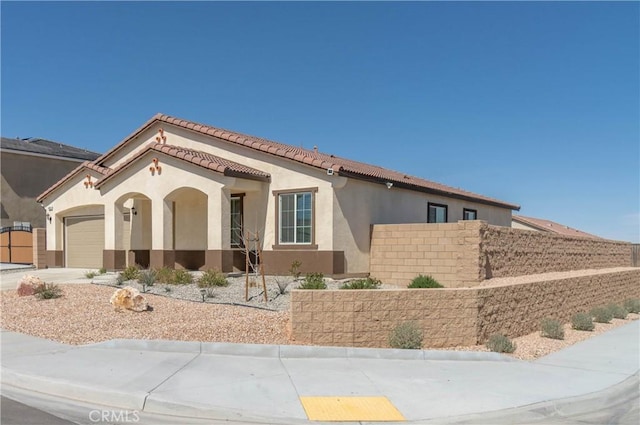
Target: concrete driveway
(9, 278)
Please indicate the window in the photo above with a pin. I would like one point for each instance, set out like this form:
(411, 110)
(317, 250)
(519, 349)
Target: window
(295, 215)
(469, 214)
(437, 213)
(236, 221)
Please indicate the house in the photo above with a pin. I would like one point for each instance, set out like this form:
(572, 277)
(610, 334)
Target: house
(30, 166)
(541, 225)
(181, 194)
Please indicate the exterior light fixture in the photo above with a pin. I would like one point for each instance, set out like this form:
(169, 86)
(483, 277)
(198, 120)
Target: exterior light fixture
(389, 185)
(133, 211)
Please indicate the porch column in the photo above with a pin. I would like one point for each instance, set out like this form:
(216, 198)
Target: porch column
(113, 255)
(162, 249)
(219, 255)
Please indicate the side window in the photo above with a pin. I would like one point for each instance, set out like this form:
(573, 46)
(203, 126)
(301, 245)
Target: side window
(437, 213)
(295, 218)
(469, 214)
(236, 221)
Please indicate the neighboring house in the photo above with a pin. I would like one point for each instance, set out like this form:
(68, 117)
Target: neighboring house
(538, 224)
(28, 167)
(176, 193)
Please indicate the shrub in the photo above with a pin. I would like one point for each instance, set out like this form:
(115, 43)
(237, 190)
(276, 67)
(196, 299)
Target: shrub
(601, 315)
(102, 270)
(632, 305)
(47, 291)
(407, 335)
(313, 281)
(164, 275)
(582, 322)
(421, 281)
(90, 274)
(147, 277)
(282, 285)
(120, 279)
(210, 293)
(551, 328)
(212, 278)
(130, 273)
(368, 283)
(618, 311)
(181, 277)
(500, 344)
(295, 269)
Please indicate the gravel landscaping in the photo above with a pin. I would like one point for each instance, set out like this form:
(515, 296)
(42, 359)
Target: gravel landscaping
(84, 315)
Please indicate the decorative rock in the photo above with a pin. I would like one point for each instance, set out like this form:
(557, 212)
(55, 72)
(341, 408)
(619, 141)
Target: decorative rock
(128, 298)
(27, 285)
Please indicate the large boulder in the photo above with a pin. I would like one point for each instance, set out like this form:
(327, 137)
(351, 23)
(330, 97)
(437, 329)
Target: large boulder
(28, 284)
(128, 298)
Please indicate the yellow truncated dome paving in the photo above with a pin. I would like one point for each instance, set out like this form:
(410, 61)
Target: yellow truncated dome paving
(346, 409)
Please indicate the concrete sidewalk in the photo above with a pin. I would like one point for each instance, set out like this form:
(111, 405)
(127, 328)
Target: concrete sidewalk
(12, 274)
(263, 384)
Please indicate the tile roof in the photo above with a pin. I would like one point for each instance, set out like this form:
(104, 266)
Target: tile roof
(47, 147)
(341, 166)
(80, 168)
(551, 226)
(199, 158)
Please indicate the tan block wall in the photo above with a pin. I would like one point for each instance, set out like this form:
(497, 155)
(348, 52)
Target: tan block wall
(451, 316)
(364, 318)
(39, 248)
(515, 252)
(516, 310)
(465, 253)
(450, 252)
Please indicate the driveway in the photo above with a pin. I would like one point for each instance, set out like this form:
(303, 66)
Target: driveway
(9, 279)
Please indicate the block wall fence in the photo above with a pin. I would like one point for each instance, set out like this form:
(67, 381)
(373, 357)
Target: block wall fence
(465, 253)
(451, 316)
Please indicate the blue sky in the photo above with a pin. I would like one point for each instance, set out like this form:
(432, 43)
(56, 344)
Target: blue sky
(534, 103)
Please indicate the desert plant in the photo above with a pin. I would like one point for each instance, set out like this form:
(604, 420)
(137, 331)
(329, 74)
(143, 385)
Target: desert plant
(130, 273)
(282, 285)
(551, 328)
(421, 281)
(211, 278)
(582, 322)
(632, 305)
(167, 289)
(368, 283)
(500, 344)
(313, 281)
(120, 279)
(102, 270)
(90, 274)
(147, 278)
(295, 269)
(181, 277)
(164, 275)
(47, 291)
(407, 335)
(601, 315)
(210, 292)
(618, 311)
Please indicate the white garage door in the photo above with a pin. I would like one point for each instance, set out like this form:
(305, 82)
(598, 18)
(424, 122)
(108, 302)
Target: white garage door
(84, 241)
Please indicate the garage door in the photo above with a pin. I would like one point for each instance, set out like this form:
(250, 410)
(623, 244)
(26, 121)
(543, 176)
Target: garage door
(84, 241)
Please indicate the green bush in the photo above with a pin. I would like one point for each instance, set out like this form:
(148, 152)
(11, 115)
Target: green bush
(147, 277)
(102, 270)
(407, 335)
(618, 311)
(313, 281)
(500, 344)
(181, 277)
(212, 278)
(551, 328)
(164, 275)
(294, 270)
(130, 273)
(582, 322)
(601, 315)
(632, 305)
(421, 281)
(368, 283)
(47, 291)
(90, 274)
